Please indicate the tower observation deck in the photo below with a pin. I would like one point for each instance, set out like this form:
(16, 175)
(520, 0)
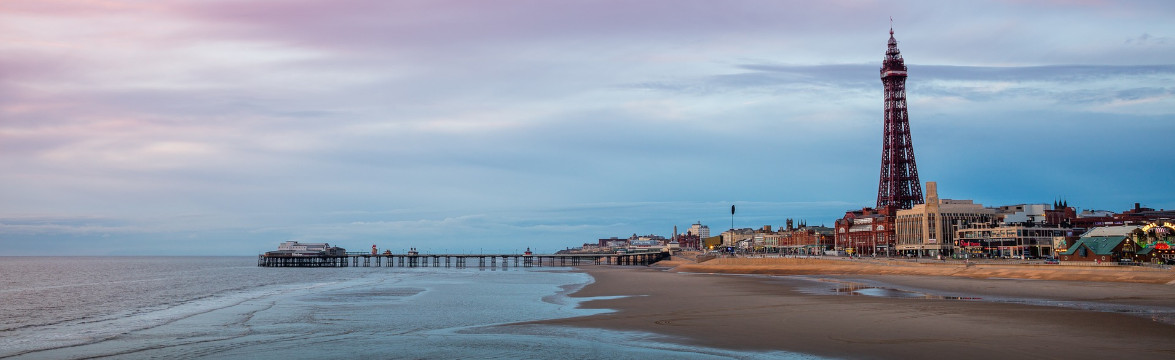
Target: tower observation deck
(898, 186)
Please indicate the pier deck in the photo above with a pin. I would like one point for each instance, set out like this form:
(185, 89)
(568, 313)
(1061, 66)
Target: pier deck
(459, 260)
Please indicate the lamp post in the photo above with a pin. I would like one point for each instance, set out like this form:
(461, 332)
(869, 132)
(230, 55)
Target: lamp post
(873, 252)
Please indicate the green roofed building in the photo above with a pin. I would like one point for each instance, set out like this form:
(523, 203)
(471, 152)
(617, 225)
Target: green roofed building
(1105, 249)
(1106, 244)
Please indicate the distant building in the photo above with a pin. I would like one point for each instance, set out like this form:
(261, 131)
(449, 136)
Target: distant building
(702, 231)
(645, 243)
(804, 239)
(929, 229)
(654, 237)
(712, 243)
(1061, 214)
(1089, 213)
(689, 241)
(1024, 213)
(297, 246)
(1136, 216)
(612, 242)
(294, 248)
(734, 236)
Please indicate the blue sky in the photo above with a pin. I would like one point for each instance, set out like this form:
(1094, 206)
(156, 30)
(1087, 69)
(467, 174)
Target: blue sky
(224, 127)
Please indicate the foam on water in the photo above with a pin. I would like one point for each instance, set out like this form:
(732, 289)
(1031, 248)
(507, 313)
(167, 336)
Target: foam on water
(339, 312)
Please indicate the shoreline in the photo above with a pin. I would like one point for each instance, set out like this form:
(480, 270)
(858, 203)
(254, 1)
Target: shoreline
(782, 313)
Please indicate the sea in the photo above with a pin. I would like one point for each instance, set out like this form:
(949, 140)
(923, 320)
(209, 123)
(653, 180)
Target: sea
(229, 308)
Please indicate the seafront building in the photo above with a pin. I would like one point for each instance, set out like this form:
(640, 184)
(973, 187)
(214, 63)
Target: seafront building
(866, 232)
(806, 240)
(732, 237)
(1151, 242)
(688, 241)
(1020, 231)
(929, 229)
(1104, 244)
(792, 238)
(1015, 240)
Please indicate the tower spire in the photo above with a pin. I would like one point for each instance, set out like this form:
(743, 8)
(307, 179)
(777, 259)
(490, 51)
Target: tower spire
(898, 185)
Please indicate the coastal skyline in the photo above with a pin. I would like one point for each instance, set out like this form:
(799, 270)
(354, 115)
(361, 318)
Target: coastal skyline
(227, 127)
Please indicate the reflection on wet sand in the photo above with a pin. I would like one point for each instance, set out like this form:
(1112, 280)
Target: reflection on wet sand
(861, 287)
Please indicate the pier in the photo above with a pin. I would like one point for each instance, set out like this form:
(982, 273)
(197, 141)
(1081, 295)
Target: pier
(459, 260)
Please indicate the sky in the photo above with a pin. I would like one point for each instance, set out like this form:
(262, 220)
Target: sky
(224, 127)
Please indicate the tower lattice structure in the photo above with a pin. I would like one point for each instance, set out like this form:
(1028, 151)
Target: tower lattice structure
(899, 186)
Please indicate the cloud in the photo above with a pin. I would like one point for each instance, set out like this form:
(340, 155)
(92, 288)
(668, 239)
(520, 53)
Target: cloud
(1146, 39)
(530, 122)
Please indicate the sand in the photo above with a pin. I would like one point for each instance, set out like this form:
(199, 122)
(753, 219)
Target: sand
(802, 313)
(802, 266)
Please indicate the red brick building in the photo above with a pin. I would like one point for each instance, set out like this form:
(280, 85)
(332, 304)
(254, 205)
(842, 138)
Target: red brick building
(866, 232)
(689, 241)
(811, 240)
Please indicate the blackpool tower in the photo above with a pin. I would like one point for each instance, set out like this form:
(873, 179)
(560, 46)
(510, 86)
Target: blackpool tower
(899, 186)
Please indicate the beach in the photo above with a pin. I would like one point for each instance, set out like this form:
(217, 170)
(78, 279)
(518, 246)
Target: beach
(850, 314)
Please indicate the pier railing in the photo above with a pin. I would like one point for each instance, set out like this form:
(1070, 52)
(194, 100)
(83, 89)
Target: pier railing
(459, 260)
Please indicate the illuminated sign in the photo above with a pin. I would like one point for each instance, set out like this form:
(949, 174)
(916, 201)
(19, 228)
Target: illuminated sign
(1162, 239)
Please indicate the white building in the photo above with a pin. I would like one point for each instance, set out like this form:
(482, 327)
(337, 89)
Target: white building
(297, 246)
(702, 231)
(1023, 213)
(1107, 231)
(1095, 213)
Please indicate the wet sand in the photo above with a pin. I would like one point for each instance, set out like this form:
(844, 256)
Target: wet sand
(954, 268)
(803, 314)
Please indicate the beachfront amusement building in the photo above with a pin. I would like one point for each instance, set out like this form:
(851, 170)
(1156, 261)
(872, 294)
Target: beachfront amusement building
(1103, 244)
(1151, 242)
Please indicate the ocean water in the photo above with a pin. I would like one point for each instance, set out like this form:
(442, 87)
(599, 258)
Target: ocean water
(228, 308)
